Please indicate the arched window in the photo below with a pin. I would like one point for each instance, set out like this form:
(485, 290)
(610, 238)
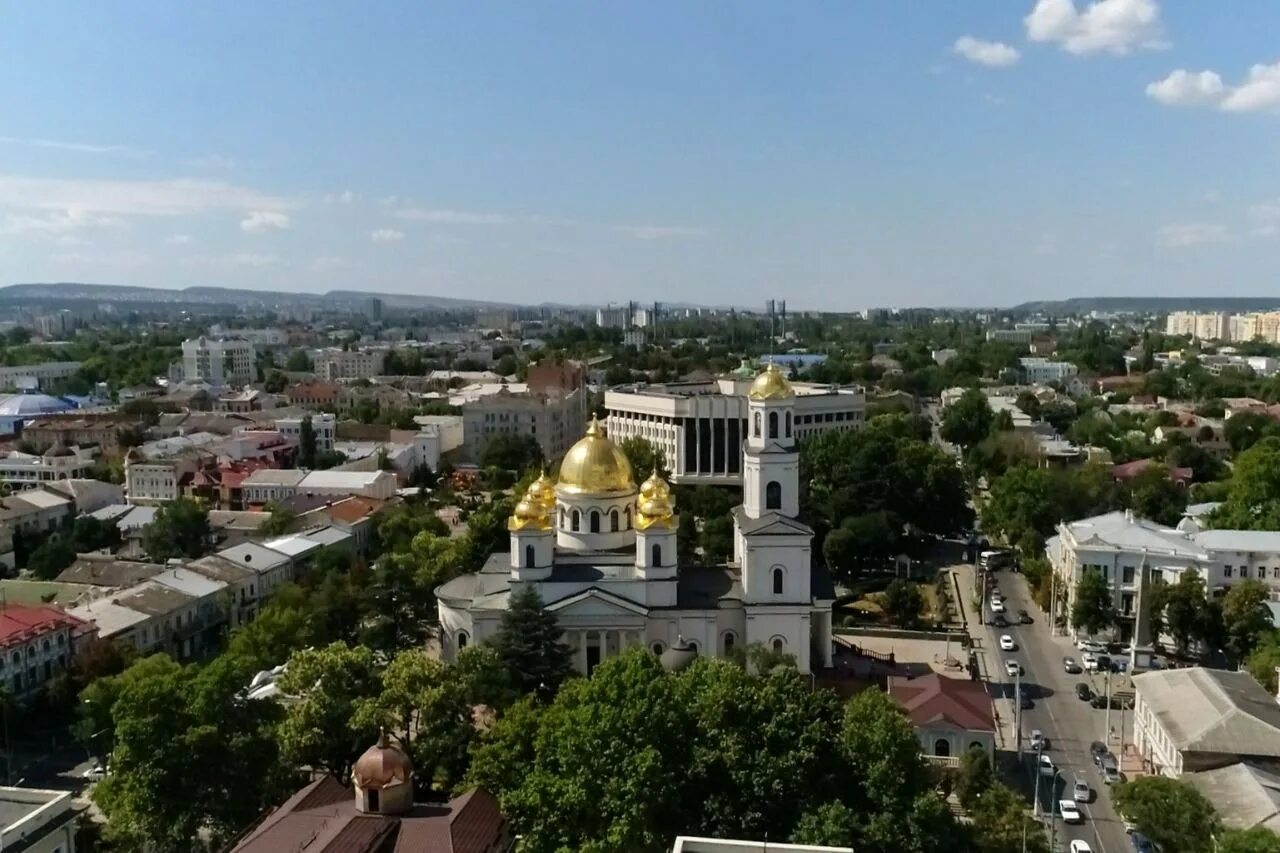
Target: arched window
(755, 424)
(693, 646)
(942, 747)
(773, 495)
(462, 640)
(657, 648)
(562, 518)
(575, 521)
(595, 521)
(528, 557)
(613, 521)
(627, 514)
(788, 425)
(773, 425)
(777, 581)
(777, 644)
(657, 554)
(728, 643)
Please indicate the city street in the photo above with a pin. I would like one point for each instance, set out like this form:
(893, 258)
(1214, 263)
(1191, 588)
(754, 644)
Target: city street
(1068, 723)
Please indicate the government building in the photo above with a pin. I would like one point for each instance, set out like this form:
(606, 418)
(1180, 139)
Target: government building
(700, 426)
(601, 553)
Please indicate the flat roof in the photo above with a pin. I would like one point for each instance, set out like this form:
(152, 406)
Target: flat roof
(341, 479)
(254, 556)
(189, 583)
(109, 617)
(275, 477)
(1239, 540)
(293, 545)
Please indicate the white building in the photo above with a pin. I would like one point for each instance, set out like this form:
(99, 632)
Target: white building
(700, 427)
(266, 485)
(555, 421)
(1042, 370)
(334, 364)
(268, 338)
(324, 425)
(33, 820)
(601, 553)
(218, 361)
(20, 470)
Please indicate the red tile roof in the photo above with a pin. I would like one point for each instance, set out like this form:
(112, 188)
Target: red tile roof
(352, 509)
(20, 623)
(1129, 470)
(958, 701)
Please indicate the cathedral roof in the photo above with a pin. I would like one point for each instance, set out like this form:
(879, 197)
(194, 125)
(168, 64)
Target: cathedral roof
(595, 466)
(771, 384)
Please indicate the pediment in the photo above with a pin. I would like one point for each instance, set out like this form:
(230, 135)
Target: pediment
(596, 602)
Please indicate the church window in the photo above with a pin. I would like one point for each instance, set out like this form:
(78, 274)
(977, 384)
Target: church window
(755, 421)
(773, 495)
(657, 554)
(529, 560)
(788, 425)
(462, 640)
(657, 648)
(777, 581)
(575, 520)
(372, 795)
(773, 425)
(562, 518)
(595, 521)
(728, 643)
(777, 644)
(613, 521)
(627, 515)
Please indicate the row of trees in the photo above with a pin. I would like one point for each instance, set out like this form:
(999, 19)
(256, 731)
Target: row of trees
(1176, 816)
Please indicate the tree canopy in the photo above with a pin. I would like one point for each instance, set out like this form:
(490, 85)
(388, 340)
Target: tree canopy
(180, 529)
(1253, 498)
(968, 420)
(1093, 610)
(1170, 812)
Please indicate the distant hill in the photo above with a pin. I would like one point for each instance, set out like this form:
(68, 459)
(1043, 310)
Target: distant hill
(1148, 304)
(242, 299)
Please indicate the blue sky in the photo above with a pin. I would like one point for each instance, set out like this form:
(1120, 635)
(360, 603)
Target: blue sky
(836, 154)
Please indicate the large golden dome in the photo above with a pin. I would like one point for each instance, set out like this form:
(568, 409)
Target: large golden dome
(771, 385)
(595, 466)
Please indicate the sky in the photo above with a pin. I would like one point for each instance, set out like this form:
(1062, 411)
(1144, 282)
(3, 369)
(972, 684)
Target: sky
(839, 155)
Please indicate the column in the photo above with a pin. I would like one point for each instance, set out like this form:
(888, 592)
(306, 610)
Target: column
(824, 637)
(582, 652)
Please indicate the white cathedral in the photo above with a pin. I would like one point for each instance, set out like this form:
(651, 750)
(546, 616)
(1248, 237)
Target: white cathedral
(602, 555)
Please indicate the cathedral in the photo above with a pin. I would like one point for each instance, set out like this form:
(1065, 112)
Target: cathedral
(601, 553)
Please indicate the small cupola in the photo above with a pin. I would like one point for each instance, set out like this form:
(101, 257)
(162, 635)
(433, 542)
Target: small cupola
(383, 779)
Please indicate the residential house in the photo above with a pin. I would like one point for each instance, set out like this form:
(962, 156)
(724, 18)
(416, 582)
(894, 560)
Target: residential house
(949, 715)
(35, 644)
(34, 511)
(314, 393)
(86, 495)
(19, 470)
(263, 487)
(1246, 794)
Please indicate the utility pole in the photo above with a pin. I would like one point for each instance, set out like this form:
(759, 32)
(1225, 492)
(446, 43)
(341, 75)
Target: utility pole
(1035, 798)
(1053, 824)
(1017, 715)
(1108, 716)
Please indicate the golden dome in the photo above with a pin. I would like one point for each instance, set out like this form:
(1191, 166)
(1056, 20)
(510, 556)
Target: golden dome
(771, 385)
(655, 508)
(595, 466)
(382, 766)
(543, 490)
(530, 513)
(654, 486)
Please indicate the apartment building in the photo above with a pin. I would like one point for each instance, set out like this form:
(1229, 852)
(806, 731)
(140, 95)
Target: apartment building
(314, 392)
(1042, 370)
(334, 364)
(556, 421)
(218, 361)
(20, 470)
(269, 338)
(324, 425)
(34, 820)
(102, 429)
(700, 426)
(1219, 326)
(177, 611)
(264, 486)
(12, 377)
(35, 644)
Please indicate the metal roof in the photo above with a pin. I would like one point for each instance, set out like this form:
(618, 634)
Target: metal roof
(1212, 710)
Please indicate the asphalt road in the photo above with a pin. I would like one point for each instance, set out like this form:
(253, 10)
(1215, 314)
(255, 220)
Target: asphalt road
(1069, 723)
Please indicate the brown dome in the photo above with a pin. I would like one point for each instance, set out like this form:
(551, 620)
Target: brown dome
(382, 766)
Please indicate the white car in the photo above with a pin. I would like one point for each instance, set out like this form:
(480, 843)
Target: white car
(1081, 792)
(997, 606)
(1078, 846)
(1047, 767)
(1091, 646)
(1012, 668)
(95, 773)
(1090, 662)
(1038, 741)
(1007, 644)
(1069, 812)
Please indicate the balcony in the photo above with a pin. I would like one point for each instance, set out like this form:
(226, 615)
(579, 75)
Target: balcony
(943, 760)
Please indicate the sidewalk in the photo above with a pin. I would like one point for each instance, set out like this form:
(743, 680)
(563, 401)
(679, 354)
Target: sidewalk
(986, 655)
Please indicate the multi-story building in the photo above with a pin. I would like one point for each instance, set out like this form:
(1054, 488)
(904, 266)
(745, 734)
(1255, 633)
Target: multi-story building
(699, 426)
(81, 428)
(263, 339)
(12, 377)
(34, 511)
(349, 364)
(1180, 323)
(33, 820)
(314, 392)
(218, 361)
(1042, 370)
(266, 486)
(20, 470)
(555, 420)
(615, 316)
(324, 425)
(159, 480)
(35, 643)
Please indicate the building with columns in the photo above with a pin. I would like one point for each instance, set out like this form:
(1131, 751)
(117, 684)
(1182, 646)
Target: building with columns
(601, 553)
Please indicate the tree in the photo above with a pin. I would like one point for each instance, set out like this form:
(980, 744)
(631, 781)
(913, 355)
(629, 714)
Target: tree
(275, 382)
(1025, 504)
(528, 642)
(298, 362)
(1245, 429)
(1153, 494)
(180, 529)
(1259, 839)
(644, 457)
(1029, 403)
(401, 605)
(325, 726)
(1172, 813)
(968, 420)
(1246, 616)
(1002, 822)
(1184, 609)
(1264, 660)
(975, 777)
(903, 602)
(1253, 498)
(1092, 611)
(511, 452)
(92, 534)
(860, 541)
(49, 558)
(307, 444)
(282, 520)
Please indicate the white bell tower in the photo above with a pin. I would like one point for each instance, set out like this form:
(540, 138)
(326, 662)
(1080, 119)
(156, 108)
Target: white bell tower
(771, 463)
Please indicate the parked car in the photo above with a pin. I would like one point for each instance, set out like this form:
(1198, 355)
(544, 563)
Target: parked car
(999, 621)
(1104, 663)
(1084, 692)
(1047, 767)
(1038, 741)
(1007, 644)
(1141, 844)
(1078, 846)
(1069, 812)
(1091, 646)
(1080, 791)
(1025, 618)
(1071, 666)
(1012, 668)
(1098, 749)
(1110, 770)
(95, 773)
(1090, 661)
(997, 606)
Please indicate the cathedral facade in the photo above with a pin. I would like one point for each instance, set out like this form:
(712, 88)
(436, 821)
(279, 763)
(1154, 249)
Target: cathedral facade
(601, 553)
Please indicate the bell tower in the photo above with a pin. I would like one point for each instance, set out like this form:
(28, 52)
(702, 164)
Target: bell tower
(771, 462)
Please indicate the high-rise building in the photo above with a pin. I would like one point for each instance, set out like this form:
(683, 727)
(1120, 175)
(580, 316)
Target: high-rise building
(218, 361)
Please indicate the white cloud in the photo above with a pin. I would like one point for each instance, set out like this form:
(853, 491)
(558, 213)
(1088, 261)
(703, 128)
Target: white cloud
(56, 222)
(1187, 88)
(1193, 234)
(181, 197)
(455, 217)
(259, 221)
(82, 147)
(1105, 26)
(992, 54)
(386, 235)
(1259, 92)
(179, 240)
(659, 232)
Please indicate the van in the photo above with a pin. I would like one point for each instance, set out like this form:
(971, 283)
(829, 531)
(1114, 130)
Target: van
(1110, 770)
(995, 560)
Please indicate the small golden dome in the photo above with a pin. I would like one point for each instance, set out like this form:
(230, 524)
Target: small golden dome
(529, 513)
(382, 766)
(543, 490)
(654, 486)
(771, 385)
(655, 507)
(595, 466)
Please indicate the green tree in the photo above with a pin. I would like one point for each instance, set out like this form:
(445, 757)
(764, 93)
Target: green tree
(1246, 616)
(1002, 823)
(298, 362)
(1245, 429)
(511, 452)
(968, 420)
(861, 541)
(1152, 494)
(1026, 503)
(92, 534)
(1253, 498)
(1184, 609)
(644, 457)
(1264, 660)
(49, 558)
(327, 725)
(903, 603)
(1171, 812)
(528, 642)
(307, 444)
(281, 520)
(1259, 839)
(975, 777)
(401, 604)
(180, 529)
(1092, 611)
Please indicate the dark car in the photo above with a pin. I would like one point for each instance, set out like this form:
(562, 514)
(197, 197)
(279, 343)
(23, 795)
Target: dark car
(1098, 749)
(1025, 618)
(1141, 844)
(1104, 663)
(999, 621)
(1084, 692)
(1099, 701)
